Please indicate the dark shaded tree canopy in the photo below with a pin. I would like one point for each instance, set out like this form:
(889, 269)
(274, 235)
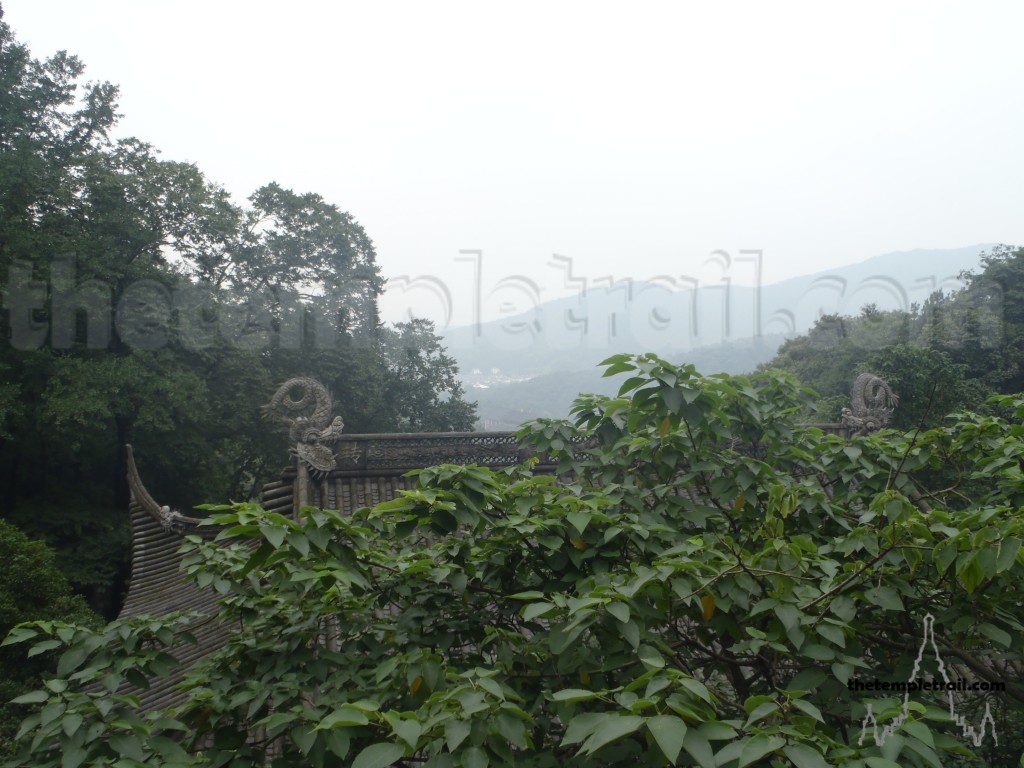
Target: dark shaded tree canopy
(31, 589)
(142, 305)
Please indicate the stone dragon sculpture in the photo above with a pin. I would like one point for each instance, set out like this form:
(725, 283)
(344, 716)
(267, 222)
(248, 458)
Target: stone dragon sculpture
(310, 427)
(871, 407)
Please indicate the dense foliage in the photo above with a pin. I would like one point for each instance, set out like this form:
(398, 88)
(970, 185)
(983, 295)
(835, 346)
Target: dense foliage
(31, 589)
(143, 305)
(951, 353)
(698, 591)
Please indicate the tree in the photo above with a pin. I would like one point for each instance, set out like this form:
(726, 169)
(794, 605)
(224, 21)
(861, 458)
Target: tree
(701, 588)
(31, 589)
(946, 355)
(827, 357)
(142, 305)
(983, 324)
(422, 392)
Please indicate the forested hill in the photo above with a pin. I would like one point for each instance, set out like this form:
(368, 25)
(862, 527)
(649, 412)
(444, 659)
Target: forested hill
(675, 316)
(534, 364)
(947, 354)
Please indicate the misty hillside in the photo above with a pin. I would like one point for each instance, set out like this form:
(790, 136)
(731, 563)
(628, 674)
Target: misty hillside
(533, 364)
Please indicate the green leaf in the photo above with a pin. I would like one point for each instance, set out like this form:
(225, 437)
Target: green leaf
(760, 712)
(257, 559)
(580, 519)
(1008, 549)
(127, 745)
(408, 731)
(35, 697)
(757, 747)
(274, 534)
(533, 610)
(581, 726)
(996, 635)
(169, 749)
(562, 636)
(807, 679)
(698, 748)
(71, 659)
(73, 755)
(788, 615)
(885, 597)
(513, 729)
(669, 733)
(43, 647)
(378, 756)
(944, 554)
(919, 731)
(631, 633)
(573, 694)
(51, 712)
(713, 730)
(455, 732)
(619, 610)
(832, 633)
(673, 399)
(803, 756)
(650, 657)
(19, 635)
(843, 607)
(474, 757)
(344, 716)
(617, 364)
(492, 687)
(842, 671)
(969, 570)
(613, 728)
(304, 737)
(808, 708)
(696, 687)
(71, 723)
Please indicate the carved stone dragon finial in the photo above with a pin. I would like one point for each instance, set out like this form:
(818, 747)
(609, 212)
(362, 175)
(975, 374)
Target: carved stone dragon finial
(308, 417)
(871, 407)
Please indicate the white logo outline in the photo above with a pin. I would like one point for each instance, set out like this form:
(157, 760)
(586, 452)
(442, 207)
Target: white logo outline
(976, 734)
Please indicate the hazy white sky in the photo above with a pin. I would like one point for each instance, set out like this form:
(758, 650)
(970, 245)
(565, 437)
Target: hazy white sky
(634, 139)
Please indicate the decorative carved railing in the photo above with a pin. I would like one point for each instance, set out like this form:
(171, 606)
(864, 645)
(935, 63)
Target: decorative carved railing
(375, 453)
(322, 449)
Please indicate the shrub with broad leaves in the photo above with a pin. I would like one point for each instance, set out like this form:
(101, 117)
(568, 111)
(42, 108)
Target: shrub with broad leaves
(697, 587)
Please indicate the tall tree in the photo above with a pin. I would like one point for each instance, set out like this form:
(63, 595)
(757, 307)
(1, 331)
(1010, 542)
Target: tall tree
(143, 305)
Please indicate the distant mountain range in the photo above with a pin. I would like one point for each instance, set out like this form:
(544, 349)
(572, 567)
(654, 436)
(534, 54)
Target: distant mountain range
(534, 364)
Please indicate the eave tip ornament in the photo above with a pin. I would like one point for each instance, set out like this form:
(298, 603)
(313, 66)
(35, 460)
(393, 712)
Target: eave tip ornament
(310, 427)
(872, 404)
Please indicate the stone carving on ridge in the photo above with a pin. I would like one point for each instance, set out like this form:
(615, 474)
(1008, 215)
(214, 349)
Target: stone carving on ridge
(310, 427)
(872, 403)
